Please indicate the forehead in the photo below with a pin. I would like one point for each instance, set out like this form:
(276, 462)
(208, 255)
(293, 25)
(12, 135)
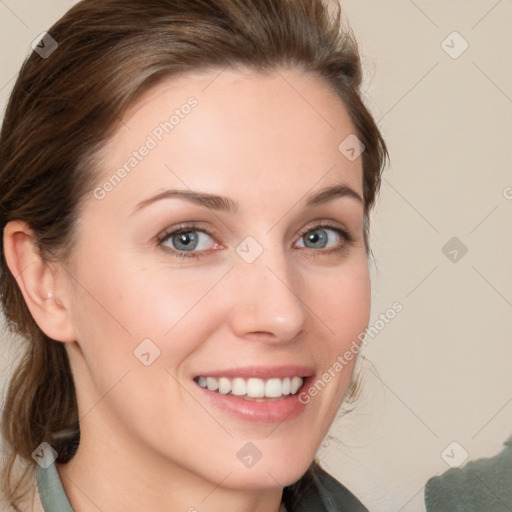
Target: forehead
(231, 132)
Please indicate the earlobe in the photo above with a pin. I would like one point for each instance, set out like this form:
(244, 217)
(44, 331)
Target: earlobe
(38, 282)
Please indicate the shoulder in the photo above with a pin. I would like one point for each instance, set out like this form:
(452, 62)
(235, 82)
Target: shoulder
(482, 485)
(318, 491)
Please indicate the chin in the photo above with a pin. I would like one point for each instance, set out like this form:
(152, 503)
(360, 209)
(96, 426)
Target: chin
(272, 474)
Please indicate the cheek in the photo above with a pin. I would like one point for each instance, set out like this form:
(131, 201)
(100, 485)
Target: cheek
(124, 304)
(135, 328)
(345, 312)
(345, 305)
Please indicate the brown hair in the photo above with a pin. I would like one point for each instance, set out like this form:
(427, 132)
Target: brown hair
(65, 106)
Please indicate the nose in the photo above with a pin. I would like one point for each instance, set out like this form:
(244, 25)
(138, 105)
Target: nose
(266, 301)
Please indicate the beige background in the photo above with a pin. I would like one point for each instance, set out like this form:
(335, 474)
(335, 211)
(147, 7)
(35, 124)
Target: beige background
(440, 370)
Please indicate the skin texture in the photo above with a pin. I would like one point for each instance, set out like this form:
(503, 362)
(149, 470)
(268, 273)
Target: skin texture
(149, 440)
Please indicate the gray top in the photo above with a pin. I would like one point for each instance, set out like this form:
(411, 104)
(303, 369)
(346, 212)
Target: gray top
(483, 485)
(318, 493)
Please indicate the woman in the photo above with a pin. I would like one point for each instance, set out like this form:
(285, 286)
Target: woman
(185, 250)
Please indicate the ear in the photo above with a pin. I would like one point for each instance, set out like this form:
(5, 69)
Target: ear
(38, 281)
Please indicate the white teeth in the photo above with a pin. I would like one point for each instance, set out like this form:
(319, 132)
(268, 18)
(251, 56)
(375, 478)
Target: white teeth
(238, 387)
(212, 383)
(295, 384)
(273, 388)
(224, 386)
(286, 389)
(253, 387)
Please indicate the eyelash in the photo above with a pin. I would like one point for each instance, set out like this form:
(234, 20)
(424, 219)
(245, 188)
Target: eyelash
(185, 228)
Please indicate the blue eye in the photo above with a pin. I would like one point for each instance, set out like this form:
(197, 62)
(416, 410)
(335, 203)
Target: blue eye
(323, 237)
(188, 241)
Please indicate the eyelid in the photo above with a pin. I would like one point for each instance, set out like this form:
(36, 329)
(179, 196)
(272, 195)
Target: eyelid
(188, 226)
(329, 224)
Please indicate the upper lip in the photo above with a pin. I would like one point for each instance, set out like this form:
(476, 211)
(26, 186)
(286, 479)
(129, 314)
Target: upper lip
(262, 372)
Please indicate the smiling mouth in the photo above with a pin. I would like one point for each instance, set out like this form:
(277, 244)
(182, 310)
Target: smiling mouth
(253, 389)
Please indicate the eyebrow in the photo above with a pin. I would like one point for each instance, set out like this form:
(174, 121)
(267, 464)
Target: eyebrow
(220, 203)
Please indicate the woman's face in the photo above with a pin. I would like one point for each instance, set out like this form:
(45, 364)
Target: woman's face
(266, 283)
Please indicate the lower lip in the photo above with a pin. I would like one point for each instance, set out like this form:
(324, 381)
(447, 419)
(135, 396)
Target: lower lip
(271, 411)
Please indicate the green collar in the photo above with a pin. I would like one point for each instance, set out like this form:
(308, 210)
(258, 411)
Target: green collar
(52, 494)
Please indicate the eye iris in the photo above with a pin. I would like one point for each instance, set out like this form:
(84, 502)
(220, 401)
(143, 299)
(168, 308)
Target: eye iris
(317, 236)
(186, 241)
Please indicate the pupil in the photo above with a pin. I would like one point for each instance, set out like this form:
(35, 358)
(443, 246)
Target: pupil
(186, 241)
(314, 238)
